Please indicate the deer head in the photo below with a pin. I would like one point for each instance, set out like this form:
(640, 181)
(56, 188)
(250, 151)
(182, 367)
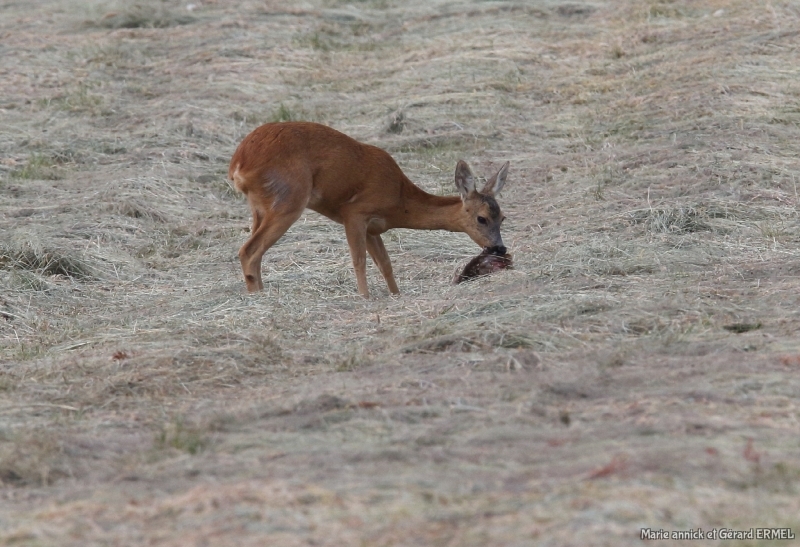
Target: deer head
(481, 216)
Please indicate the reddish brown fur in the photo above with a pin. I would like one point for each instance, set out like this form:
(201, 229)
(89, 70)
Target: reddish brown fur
(282, 168)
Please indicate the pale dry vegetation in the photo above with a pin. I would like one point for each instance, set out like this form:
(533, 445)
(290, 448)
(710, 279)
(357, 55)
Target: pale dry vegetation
(640, 366)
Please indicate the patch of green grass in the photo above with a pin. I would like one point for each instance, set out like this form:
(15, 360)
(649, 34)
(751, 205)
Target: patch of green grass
(38, 167)
(369, 4)
(283, 114)
(436, 147)
(7, 384)
(780, 477)
(433, 342)
(345, 36)
(773, 230)
(26, 351)
(180, 436)
(30, 457)
(318, 42)
(78, 100)
(142, 15)
(509, 82)
(25, 280)
(352, 361)
(598, 191)
(667, 9)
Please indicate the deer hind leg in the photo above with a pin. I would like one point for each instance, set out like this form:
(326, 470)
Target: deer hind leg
(381, 258)
(268, 226)
(252, 271)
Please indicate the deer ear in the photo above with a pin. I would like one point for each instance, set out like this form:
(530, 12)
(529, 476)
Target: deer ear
(495, 184)
(465, 180)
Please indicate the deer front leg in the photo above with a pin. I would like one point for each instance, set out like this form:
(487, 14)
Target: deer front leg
(356, 232)
(381, 258)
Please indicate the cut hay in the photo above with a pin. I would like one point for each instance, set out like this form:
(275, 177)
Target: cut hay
(638, 367)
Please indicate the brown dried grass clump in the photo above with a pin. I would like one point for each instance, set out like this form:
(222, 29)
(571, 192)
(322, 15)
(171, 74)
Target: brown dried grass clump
(44, 261)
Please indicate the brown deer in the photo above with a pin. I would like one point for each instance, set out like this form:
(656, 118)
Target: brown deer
(284, 168)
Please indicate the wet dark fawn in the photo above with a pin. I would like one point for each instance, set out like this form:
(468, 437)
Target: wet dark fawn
(284, 168)
(486, 263)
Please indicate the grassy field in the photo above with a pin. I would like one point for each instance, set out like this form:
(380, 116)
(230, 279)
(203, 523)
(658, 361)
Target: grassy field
(640, 368)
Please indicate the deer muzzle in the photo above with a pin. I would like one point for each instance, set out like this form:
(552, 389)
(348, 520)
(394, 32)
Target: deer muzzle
(499, 250)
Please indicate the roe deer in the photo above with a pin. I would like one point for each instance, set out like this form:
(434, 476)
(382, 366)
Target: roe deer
(284, 168)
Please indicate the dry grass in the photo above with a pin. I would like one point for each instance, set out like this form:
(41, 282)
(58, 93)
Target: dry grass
(638, 368)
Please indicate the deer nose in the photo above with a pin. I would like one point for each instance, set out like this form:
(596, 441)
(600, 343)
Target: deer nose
(498, 250)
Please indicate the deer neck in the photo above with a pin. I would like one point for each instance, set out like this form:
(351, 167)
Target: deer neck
(424, 211)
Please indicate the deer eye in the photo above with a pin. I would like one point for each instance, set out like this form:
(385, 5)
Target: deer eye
(482, 220)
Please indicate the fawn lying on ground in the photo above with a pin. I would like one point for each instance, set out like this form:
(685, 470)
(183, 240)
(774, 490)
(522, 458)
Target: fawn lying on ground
(486, 263)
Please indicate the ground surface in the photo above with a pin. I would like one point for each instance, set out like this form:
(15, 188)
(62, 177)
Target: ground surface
(640, 368)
